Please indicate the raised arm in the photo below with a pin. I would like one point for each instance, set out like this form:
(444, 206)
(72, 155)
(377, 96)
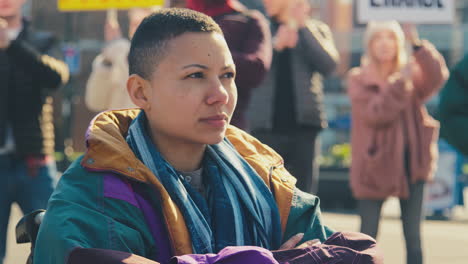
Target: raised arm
(47, 72)
(431, 71)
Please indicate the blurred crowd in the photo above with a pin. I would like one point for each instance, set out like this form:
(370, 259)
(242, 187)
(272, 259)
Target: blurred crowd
(282, 55)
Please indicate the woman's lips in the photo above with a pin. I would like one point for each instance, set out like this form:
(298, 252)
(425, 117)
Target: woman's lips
(215, 121)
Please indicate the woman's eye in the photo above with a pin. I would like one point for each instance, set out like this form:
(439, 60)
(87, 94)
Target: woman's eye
(228, 75)
(196, 75)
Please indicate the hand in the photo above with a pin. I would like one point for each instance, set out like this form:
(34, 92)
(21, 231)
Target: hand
(112, 27)
(286, 37)
(411, 33)
(300, 12)
(401, 81)
(292, 242)
(313, 242)
(407, 71)
(4, 40)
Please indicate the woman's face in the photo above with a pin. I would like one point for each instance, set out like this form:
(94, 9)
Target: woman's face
(384, 46)
(192, 94)
(9, 8)
(275, 7)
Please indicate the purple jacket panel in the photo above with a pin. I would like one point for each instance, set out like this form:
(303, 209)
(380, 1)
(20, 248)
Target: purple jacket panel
(115, 187)
(118, 188)
(157, 227)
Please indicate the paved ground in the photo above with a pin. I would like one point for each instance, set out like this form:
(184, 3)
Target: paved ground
(444, 241)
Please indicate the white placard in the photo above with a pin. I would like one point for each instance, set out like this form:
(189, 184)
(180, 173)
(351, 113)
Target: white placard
(441, 192)
(413, 11)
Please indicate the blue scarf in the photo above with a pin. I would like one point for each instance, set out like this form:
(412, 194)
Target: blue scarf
(239, 209)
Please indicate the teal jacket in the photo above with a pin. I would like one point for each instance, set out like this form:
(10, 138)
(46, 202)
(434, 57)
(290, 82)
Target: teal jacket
(107, 199)
(453, 107)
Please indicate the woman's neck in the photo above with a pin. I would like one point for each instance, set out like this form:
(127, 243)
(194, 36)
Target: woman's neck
(183, 156)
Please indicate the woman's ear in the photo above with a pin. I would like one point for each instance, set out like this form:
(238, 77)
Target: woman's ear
(138, 89)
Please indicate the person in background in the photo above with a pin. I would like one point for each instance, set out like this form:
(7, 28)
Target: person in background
(27, 79)
(177, 3)
(254, 4)
(453, 117)
(453, 107)
(248, 37)
(105, 88)
(286, 111)
(393, 138)
(172, 182)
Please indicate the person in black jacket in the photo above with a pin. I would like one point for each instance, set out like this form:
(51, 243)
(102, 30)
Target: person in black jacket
(287, 112)
(27, 78)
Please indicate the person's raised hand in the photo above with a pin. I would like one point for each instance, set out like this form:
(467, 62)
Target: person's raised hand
(411, 33)
(286, 37)
(112, 28)
(300, 12)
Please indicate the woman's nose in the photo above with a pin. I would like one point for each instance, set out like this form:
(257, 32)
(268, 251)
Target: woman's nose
(218, 93)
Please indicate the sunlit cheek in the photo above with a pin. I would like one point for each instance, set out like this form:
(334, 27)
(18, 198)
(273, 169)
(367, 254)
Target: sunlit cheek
(234, 97)
(232, 92)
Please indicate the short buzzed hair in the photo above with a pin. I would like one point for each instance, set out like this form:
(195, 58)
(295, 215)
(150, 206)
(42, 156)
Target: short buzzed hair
(150, 41)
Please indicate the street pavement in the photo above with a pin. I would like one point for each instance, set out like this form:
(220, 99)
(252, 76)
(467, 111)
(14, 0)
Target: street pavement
(443, 241)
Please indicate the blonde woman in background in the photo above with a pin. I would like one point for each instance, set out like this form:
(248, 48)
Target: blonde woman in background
(106, 86)
(393, 138)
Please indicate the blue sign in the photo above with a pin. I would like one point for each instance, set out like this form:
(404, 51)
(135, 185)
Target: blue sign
(72, 58)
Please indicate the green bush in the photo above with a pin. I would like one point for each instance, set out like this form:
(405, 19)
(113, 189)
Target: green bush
(338, 155)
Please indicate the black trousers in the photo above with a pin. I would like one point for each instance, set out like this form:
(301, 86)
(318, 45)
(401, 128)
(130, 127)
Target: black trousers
(299, 149)
(411, 217)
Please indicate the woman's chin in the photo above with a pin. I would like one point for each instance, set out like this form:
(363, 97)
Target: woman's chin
(215, 139)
